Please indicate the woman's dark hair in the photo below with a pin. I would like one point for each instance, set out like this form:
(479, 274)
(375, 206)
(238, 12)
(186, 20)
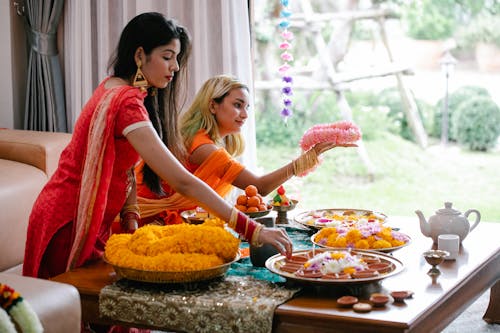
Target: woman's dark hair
(149, 31)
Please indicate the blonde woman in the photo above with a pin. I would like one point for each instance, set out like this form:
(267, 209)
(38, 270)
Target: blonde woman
(211, 132)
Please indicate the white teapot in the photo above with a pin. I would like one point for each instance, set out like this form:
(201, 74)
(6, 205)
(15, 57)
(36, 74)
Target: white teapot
(447, 221)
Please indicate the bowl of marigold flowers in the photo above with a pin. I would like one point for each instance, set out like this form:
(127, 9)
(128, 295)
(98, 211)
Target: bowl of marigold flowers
(176, 253)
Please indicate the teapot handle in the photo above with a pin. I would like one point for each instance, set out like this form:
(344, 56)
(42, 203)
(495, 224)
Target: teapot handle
(478, 217)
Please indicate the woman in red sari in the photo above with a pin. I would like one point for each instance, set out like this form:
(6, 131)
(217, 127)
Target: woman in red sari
(94, 183)
(211, 131)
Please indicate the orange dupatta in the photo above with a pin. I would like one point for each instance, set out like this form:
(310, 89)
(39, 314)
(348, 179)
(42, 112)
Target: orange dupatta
(218, 171)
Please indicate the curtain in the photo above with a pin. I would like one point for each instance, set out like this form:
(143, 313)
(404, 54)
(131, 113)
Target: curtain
(45, 104)
(219, 29)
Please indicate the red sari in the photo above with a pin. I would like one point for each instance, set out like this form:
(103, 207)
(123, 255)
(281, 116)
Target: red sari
(72, 217)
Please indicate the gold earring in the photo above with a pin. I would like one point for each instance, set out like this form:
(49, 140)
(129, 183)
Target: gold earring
(139, 79)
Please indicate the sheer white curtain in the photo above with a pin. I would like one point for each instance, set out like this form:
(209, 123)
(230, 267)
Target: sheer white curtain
(220, 32)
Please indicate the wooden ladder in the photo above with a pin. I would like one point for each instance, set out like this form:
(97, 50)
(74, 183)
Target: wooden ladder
(331, 53)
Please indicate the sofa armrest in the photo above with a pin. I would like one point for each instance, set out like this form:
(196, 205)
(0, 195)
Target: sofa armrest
(39, 149)
(56, 304)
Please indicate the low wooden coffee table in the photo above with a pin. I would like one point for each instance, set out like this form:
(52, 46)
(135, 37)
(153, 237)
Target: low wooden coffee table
(434, 305)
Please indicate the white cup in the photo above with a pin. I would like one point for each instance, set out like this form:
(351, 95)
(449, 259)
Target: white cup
(450, 243)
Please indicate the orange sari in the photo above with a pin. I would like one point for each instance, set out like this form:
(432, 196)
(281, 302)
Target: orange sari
(218, 171)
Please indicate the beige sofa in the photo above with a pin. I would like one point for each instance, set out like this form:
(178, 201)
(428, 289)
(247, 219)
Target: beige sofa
(27, 160)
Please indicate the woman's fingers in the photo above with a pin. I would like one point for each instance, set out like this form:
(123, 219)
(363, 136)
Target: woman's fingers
(278, 238)
(325, 146)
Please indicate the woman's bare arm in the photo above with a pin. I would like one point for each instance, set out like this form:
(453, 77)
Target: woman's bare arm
(163, 162)
(265, 183)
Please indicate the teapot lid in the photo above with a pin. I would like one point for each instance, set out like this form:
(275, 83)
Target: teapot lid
(448, 210)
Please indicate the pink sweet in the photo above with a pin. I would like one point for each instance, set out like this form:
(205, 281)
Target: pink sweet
(340, 133)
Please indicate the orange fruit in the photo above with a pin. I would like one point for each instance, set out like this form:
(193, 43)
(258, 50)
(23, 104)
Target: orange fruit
(262, 207)
(260, 198)
(251, 190)
(241, 208)
(241, 200)
(253, 201)
(252, 209)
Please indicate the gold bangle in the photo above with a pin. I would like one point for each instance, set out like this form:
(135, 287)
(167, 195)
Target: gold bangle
(246, 227)
(255, 237)
(134, 208)
(233, 218)
(305, 162)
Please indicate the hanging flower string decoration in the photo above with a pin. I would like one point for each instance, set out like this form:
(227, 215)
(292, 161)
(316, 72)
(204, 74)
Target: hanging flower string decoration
(287, 57)
(16, 311)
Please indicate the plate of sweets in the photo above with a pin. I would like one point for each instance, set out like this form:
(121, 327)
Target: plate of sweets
(330, 267)
(251, 203)
(368, 236)
(336, 217)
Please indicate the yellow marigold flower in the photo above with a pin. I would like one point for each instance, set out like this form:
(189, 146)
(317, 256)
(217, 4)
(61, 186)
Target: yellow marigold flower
(331, 239)
(349, 270)
(340, 242)
(362, 244)
(370, 240)
(214, 222)
(395, 242)
(337, 255)
(386, 234)
(381, 244)
(326, 232)
(353, 236)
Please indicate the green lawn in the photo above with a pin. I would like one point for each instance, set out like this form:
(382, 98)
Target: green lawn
(406, 178)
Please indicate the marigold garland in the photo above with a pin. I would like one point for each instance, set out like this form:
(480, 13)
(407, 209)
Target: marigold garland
(173, 248)
(15, 310)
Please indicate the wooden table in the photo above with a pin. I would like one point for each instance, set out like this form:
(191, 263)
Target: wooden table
(434, 304)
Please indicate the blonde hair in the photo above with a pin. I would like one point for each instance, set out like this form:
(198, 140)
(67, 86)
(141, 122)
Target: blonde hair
(198, 116)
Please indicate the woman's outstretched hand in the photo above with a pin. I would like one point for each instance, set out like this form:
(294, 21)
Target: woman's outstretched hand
(278, 238)
(320, 148)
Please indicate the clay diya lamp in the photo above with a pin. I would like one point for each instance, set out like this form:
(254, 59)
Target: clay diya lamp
(381, 267)
(347, 301)
(379, 300)
(401, 295)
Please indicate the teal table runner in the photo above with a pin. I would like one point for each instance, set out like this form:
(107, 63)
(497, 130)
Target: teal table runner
(301, 241)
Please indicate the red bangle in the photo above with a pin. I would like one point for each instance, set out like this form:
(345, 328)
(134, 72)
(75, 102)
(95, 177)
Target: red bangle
(245, 226)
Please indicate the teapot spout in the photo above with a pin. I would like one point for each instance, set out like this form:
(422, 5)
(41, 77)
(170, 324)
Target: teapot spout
(425, 227)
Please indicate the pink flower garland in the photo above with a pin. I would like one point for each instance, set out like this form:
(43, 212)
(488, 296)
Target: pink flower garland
(340, 132)
(287, 57)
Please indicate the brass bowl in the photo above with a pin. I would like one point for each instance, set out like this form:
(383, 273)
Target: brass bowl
(435, 257)
(172, 276)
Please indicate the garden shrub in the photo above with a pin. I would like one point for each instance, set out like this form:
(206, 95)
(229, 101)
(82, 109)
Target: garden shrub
(308, 109)
(371, 118)
(391, 98)
(455, 99)
(477, 123)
